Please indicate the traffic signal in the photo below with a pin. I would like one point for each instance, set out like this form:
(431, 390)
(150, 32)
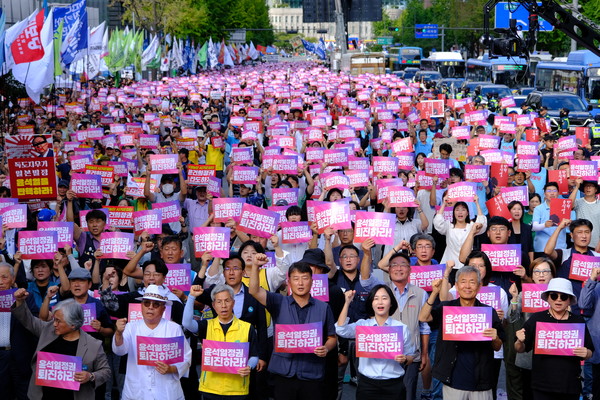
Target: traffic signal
(393, 29)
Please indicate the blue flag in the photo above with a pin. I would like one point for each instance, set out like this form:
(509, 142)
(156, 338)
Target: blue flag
(75, 29)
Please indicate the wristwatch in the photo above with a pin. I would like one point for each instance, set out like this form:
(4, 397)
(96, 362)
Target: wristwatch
(92, 377)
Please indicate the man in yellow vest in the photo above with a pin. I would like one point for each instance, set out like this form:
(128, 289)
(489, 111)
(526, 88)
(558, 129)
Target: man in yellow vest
(226, 327)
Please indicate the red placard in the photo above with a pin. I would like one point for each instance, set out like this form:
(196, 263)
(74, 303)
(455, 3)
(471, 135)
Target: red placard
(32, 178)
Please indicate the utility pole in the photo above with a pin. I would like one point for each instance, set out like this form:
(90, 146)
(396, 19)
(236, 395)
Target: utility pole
(573, 42)
(340, 27)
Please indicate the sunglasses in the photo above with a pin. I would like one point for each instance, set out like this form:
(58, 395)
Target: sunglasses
(152, 303)
(563, 296)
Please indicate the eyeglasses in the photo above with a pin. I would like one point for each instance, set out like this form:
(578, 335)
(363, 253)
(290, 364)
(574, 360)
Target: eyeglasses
(152, 303)
(424, 247)
(232, 269)
(563, 296)
(498, 229)
(542, 272)
(346, 257)
(551, 190)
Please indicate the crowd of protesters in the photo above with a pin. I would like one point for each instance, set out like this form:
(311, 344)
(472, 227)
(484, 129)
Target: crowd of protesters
(306, 111)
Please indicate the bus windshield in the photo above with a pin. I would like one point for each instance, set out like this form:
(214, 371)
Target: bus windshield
(594, 85)
(411, 54)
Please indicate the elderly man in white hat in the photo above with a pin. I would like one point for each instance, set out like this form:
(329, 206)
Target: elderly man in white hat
(556, 376)
(161, 379)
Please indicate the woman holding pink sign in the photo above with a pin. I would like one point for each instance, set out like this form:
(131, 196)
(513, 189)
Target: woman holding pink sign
(560, 340)
(381, 373)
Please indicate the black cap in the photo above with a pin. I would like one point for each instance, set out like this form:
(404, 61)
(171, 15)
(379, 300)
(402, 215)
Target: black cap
(315, 257)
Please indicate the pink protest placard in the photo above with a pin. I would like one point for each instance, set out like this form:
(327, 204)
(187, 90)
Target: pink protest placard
(120, 216)
(15, 216)
(531, 299)
(288, 194)
(320, 287)
(586, 170)
(466, 323)
(335, 215)
(116, 244)
(224, 357)
(149, 221)
(461, 132)
(336, 180)
(199, 175)
(504, 257)
(477, 173)
(525, 148)
(227, 207)
(213, 186)
(374, 225)
(89, 314)
(385, 342)
(528, 163)
(179, 276)
(490, 295)
(358, 178)
(242, 155)
(515, 193)
(401, 196)
(489, 141)
(423, 275)
(38, 245)
(433, 167)
(336, 157)
(168, 350)
(383, 186)
(171, 211)
(7, 298)
(212, 239)
(258, 221)
(558, 339)
(385, 165)
(295, 232)
(298, 338)
(582, 266)
(78, 163)
(310, 208)
(462, 191)
(87, 186)
(57, 370)
(403, 145)
(358, 163)
(285, 165)
(134, 312)
(164, 163)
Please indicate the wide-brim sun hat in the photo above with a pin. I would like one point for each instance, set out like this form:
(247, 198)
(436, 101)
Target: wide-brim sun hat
(560, 285)
(153, 292)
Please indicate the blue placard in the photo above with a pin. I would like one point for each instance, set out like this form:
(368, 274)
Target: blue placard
(506, 11)
(426, 31)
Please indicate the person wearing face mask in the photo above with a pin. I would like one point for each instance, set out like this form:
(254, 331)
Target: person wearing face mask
(167, 192)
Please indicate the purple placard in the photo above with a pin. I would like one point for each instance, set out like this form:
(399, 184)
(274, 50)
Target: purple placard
(152, 349)
(242, 175)
(320, 287)
(224, 357)
(477, 173)
(461, 132)
(531, 299)
(179, 277)
(89, 314)
(504, 257)
(57, 370)
(295, 232)
(358, 178)
(466, 323)
(288, 194)
(214, 186)
(433, 167)
(298, 338)
(116, 244)
(586, 170)
(335, 215)
(228, 207)
(38, 245)
(87, 186)
(15, 216)
(375, 225)
(582, 266)
(242, 155)
(258, 221)
(528, 163)
(558, 339)
(285, 165)
(212, 239)
(423, 275)
(336, 157)
(385, 165)
(336, 180)
(164, 163)
(490, 295)
(462, 191)
(148, 220)
(385, 342)
(171, 211)
(515, 193)
(7, 298)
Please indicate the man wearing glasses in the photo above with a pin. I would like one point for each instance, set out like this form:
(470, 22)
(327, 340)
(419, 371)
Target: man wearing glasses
(159, 381)
(42, 147)
(542, 225)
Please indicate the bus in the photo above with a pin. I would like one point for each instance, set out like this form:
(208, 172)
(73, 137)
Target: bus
(363, 63)
(580, 75)
(402, 57)
(502, 70)
(448, 63)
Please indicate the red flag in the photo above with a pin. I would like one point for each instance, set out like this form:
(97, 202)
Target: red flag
(27, 47)
(261, 49)
(221, 57)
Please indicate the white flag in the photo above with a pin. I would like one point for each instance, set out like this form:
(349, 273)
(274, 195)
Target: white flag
(150, 52)
(95, 40)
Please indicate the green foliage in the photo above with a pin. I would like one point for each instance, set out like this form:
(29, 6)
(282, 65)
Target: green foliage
(201, 19)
